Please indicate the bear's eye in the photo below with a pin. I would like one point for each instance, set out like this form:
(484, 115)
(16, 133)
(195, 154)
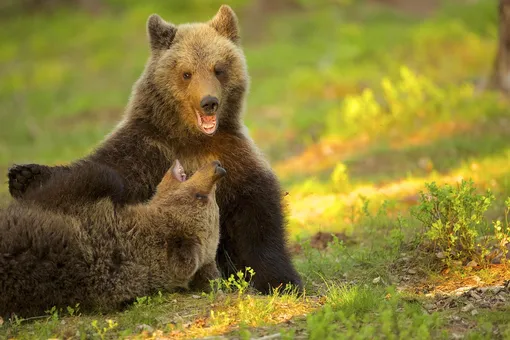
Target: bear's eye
(219, 71)
(201, 197)
(186, 75)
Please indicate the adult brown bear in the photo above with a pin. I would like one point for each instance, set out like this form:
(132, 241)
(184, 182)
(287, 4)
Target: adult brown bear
(187, 105)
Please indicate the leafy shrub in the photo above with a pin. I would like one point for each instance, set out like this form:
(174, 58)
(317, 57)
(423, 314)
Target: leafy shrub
(453, 218)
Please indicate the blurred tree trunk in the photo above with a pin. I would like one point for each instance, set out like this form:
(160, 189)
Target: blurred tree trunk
(500, 77)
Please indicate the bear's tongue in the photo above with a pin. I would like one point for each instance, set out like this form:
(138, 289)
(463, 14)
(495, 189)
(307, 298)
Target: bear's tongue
(208, 123)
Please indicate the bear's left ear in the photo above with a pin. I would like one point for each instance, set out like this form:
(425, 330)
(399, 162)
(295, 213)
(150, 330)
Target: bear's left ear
(225, 23)
(161, 33)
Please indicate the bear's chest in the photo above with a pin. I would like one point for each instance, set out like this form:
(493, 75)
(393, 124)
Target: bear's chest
(234, 153)
(192, 163)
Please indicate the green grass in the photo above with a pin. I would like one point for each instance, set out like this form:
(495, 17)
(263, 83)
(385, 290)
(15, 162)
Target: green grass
(357, 106)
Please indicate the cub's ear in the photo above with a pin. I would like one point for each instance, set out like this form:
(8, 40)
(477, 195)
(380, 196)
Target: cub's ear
(225, 23)
(161, 33)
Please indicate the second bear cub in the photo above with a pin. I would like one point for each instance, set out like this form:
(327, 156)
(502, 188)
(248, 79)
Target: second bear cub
(56, 252)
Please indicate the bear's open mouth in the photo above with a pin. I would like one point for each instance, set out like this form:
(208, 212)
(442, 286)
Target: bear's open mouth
(207, 124)
(178, 171)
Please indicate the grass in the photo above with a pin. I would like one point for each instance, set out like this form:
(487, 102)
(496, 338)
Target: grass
(357, 105)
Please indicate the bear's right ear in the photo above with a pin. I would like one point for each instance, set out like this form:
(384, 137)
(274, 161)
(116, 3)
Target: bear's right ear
(161, 33)
(225, 23)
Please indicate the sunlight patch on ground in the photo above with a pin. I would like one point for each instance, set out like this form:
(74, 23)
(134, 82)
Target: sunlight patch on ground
(331, 211)
(310, 212)
(452, 282)
(321, 156)
(249, 311)
(328, 152)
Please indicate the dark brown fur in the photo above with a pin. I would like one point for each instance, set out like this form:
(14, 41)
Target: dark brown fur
(59, 252)
(160, 125)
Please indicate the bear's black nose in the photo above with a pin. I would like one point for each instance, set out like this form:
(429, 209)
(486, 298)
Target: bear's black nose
(220, 172)
(209, 104)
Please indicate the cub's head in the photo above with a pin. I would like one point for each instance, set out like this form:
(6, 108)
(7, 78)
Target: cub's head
(200, 70)
(193, 200)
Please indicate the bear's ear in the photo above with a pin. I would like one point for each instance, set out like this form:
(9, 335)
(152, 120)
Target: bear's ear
(161, 33)
(225, 23)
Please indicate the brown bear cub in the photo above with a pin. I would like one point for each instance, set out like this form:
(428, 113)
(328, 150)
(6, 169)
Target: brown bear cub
(59, 252)
(187, 105)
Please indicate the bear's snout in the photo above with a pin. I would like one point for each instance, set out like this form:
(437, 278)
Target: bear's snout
(209, 105)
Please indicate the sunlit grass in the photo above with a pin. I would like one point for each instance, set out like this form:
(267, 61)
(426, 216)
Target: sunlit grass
(247, 312)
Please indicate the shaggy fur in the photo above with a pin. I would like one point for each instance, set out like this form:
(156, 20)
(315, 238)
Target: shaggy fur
(165, 120)
(55, 251)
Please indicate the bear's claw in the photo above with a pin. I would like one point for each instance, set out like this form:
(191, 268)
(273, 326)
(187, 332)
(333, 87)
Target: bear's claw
(20, 178)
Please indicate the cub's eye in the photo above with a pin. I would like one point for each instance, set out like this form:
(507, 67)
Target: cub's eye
(201, 197)
(186, 75)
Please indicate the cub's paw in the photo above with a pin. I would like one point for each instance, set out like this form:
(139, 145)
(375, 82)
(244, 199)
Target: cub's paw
(21, 177)
(183, 257)
(201, 280)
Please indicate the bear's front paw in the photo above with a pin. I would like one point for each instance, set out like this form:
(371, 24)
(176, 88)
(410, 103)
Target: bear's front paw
(21, 177)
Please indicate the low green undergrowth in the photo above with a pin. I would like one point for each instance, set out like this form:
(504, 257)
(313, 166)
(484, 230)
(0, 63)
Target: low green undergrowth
(455, 226)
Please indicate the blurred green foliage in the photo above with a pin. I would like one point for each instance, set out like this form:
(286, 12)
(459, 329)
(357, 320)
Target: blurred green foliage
(61, 64)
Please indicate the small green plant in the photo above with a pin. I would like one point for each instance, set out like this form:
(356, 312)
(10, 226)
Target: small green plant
(101, 332)
(452, 218)
(240, 281)
(15, 322)
(73, 311)
(54, 313)
(142, 301)
(149, 300)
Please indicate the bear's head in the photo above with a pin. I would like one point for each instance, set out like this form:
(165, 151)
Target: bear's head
(187, 212)
(199, 71)
(192, 201)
